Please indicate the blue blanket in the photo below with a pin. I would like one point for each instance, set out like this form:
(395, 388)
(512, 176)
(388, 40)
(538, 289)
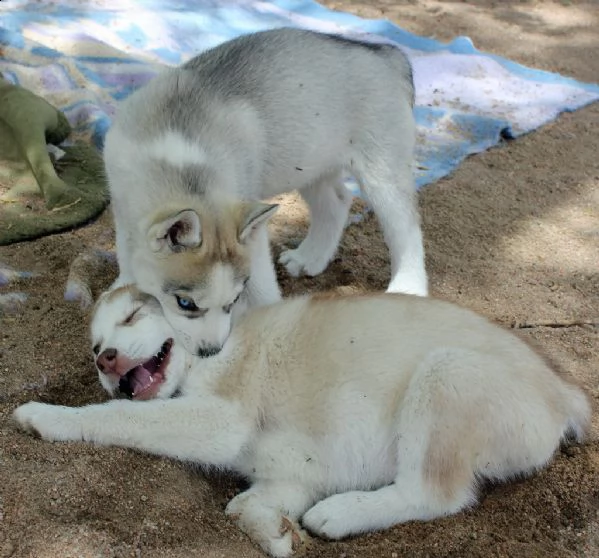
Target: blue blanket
(84, 57)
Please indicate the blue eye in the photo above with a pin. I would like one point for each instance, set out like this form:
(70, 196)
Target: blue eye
(186, 303)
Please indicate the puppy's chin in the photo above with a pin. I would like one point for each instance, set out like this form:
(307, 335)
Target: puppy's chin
(110, 386)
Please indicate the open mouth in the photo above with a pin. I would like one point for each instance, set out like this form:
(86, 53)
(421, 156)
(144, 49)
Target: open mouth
(143, 381)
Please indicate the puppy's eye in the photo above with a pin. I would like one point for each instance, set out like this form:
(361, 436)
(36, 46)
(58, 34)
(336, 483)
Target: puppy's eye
(130, 317)
(96, 349)
(186, 303)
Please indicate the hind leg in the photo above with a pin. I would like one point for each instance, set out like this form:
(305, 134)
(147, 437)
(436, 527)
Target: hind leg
(412, 496)
(351, 513)
(268, 513)
(397, 211)
(464, 414)
(329, 202)
(385, 176)
(435, 472)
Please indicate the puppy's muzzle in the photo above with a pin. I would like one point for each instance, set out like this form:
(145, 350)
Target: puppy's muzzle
(106, 361)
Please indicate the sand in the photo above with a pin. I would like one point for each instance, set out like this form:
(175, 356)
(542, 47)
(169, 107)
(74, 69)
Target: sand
(512, 234)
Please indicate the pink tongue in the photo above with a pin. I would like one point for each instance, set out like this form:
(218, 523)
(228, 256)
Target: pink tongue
(140, 379)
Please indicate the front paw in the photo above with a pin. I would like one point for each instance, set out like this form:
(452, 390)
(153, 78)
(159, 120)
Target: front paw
(50, 422)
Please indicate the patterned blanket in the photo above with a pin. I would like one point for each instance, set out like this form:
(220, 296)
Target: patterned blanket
(83, 57)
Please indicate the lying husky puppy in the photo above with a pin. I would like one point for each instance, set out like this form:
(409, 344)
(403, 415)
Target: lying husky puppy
(257, 116)
(347, 414)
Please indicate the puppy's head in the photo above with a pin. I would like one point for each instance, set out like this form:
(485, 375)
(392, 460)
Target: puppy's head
(133, 346)
(198, 268)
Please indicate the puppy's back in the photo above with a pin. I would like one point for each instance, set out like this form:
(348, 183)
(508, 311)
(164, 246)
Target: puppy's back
(377, 342)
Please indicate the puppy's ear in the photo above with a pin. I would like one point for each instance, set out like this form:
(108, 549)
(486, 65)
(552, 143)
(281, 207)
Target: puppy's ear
(252, 216)
(175, 233)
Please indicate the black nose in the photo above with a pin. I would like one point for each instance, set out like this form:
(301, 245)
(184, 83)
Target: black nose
(204, 352)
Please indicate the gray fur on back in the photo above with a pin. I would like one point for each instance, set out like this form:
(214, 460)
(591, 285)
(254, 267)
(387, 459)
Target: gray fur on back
(182, 99)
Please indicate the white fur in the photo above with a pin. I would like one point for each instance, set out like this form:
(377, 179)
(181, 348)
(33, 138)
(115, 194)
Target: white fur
(347, 415)
(176, 149)
(264, 114)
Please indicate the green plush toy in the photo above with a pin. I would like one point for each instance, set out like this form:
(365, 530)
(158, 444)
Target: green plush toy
(39, 195)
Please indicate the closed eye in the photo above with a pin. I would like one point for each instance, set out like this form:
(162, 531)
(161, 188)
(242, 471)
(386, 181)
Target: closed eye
(129, 319)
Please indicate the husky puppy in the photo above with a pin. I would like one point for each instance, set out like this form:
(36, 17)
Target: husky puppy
(260, 115)
(346, 414)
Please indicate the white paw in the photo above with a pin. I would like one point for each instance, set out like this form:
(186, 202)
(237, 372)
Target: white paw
(50, 422)
(277, 535)
(409, 283)
(329, 518)
(298, 263)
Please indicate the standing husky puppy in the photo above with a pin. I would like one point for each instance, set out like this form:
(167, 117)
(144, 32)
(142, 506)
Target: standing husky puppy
(347, 414)
(191, 153)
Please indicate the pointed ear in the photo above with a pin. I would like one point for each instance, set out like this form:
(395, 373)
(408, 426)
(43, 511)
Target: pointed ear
(180, 231)
(252, 216)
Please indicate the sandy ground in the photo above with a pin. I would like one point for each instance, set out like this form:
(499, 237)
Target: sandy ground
(513, 234)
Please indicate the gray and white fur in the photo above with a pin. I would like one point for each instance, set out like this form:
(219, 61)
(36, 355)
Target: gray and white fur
(260, 115)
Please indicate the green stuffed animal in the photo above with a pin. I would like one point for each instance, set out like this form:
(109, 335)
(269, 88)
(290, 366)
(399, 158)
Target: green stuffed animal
(40, 195)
